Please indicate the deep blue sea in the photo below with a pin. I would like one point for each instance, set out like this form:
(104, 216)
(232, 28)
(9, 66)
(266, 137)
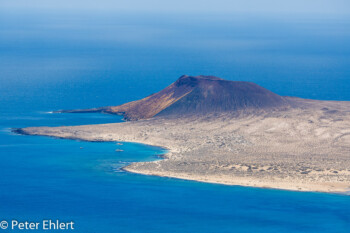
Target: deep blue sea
(64, 60)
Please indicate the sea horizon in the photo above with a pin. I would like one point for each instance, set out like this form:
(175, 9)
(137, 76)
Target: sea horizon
(68, 56)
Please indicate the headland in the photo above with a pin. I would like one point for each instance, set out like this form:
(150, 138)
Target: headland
(234, 133)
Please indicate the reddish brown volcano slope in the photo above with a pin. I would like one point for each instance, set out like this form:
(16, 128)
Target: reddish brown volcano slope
(198, 95)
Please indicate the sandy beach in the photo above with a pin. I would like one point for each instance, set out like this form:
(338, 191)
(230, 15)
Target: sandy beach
(304, 149)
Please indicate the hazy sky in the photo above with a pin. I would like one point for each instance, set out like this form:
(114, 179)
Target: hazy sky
(328, 7)
(287, 46)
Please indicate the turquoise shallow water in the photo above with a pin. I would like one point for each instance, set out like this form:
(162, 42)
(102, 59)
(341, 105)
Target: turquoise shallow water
(48, 178)
(66, 60)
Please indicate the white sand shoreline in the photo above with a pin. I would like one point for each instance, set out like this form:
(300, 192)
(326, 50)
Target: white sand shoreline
(295, 149)
(247, 183)
(242, 183)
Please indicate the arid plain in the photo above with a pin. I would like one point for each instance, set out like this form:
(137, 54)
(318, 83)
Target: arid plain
(298, 149)
(303, 145)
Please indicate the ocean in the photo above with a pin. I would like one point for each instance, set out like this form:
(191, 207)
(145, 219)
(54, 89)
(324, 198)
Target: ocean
(67, 61)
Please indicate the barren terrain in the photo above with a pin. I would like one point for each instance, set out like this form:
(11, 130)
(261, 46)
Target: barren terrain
(304, 148)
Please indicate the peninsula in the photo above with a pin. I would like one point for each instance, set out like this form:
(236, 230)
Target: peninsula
(234, 133)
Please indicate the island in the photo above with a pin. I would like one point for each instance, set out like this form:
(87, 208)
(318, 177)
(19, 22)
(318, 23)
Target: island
(230, 132)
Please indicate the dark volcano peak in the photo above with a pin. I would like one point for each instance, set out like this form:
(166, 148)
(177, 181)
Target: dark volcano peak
(194, 80)
(199, 77)
(211, 94)
(199, 95)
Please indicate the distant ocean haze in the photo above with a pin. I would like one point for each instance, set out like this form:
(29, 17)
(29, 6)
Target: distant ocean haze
(51, 60)
(96, 60)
